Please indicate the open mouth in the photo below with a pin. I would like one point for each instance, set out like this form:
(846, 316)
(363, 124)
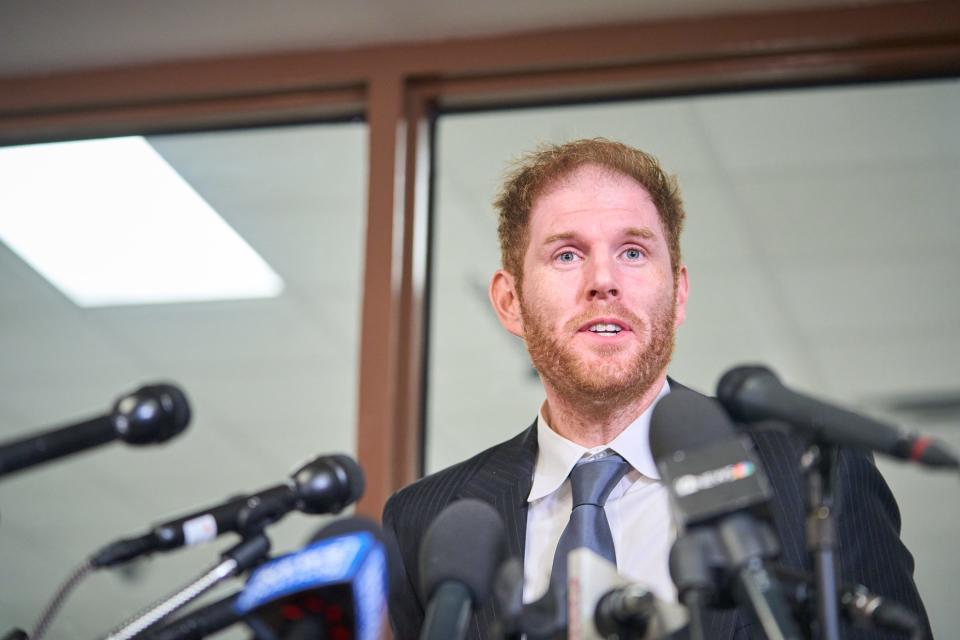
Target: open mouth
(605, 328)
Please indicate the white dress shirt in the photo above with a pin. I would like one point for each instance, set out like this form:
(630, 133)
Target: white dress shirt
(637, 509)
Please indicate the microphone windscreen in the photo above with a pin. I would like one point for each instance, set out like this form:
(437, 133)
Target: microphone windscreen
(735, 386)
(464, 544)
(707, 469)
(152, 414)
(686, 420)
(328, 483)
(353, 475)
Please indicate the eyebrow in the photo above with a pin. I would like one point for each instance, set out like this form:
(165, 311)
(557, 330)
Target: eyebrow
(632, 232)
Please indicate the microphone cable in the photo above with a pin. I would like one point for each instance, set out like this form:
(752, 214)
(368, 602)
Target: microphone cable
(56, 602)
(244, 555)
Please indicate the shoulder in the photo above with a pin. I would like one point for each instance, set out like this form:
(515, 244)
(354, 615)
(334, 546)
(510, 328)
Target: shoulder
(781, 454)
(409, 512)
(421, 501)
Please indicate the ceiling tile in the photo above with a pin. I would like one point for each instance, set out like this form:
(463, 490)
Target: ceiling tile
(877, 298)
(843, 127)
(879, 213)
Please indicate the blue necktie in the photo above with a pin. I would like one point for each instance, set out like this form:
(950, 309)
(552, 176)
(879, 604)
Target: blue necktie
(591, 482)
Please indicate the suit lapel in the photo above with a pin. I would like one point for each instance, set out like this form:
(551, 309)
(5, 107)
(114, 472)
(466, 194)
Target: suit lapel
(504, 481)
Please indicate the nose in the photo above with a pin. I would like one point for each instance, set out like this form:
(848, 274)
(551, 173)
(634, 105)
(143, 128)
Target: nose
(602, 280)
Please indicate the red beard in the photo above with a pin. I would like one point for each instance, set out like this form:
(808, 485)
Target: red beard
(611, 381)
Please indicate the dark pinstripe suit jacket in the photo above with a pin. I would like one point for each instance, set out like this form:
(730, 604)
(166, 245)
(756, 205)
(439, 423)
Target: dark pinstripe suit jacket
(870, 550)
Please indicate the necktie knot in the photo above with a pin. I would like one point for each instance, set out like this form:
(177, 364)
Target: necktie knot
(591, 481)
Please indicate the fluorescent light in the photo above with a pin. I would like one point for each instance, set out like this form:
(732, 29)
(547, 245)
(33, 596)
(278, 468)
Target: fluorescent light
(109, 222)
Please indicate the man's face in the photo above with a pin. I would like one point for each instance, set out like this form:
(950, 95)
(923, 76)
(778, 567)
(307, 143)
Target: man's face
(598, 304)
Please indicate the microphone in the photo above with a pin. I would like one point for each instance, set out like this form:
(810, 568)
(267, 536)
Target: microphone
(706, 468)
(626, 612)
(719, 497)
(857, 603)
(604, 604)
(459, 556)
(600, 603)
(326, 484)
(754, 393)
(335, 587)
(150, 415)
(543, 619)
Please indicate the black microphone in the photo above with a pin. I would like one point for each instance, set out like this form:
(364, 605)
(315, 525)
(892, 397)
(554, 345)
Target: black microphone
(632, 607)
(754, 393)
(459, 556)
(326, 484)
(719, 496)
(707, 470)
(632, 612)
(150, 415)
(543, 619)
(604, 604)
(858, 604)
(336, 586)
(600, 603)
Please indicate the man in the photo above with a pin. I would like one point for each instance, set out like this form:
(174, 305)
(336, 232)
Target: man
(592, 281)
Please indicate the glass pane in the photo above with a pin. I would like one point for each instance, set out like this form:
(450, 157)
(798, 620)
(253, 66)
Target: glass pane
(822, 239)
(272, 381)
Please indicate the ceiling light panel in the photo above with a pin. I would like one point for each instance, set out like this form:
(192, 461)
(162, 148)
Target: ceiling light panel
(110, 222)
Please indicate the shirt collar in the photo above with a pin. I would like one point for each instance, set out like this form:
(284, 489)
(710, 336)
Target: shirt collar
(557, 455)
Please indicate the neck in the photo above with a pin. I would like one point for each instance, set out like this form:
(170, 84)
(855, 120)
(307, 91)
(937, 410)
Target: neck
(592, 424)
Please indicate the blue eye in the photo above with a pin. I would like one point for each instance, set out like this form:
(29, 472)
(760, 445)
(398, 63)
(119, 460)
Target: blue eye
(566, 257)
(633, 254)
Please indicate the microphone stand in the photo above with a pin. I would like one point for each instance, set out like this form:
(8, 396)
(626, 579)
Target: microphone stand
(710, 564)
(818, 464)
(236, 560)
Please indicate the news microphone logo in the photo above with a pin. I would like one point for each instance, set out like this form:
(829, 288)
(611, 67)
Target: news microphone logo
(689, 484)
(321, 578)
(712, 479)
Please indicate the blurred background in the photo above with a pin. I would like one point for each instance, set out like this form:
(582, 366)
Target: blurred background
(822, 239)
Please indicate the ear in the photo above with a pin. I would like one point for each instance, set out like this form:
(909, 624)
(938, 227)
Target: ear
(506, 301)
(683, 288)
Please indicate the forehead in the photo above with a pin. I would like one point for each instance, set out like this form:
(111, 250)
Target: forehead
(591, 194)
